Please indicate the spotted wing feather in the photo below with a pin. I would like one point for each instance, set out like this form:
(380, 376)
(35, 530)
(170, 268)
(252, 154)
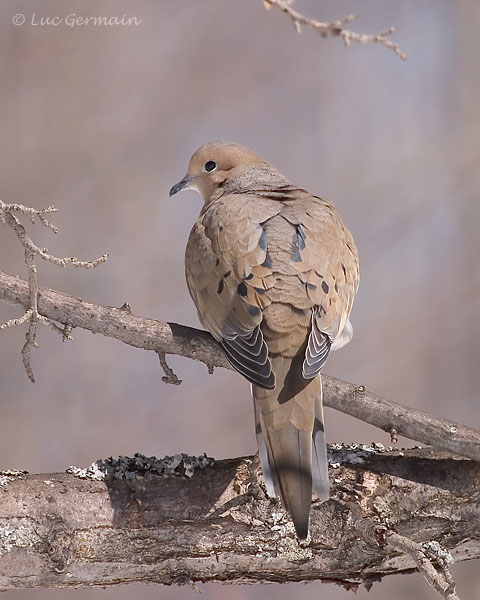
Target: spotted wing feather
(227, 278)
(326, 261)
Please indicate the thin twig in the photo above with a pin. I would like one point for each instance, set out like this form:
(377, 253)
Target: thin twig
(170, 376)
(393, 436)
(440, 579)
(378, 534)
(336, 28)
(31, 251)
(19, 321)
(32, 213)
(67, 333)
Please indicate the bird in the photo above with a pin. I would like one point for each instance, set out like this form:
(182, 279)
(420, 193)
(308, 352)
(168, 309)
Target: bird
(273, 272)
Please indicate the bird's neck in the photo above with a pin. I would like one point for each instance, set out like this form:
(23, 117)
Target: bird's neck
(251, 179)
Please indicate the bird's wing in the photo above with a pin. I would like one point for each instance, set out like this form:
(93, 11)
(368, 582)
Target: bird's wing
(227, 273)
(326, 261)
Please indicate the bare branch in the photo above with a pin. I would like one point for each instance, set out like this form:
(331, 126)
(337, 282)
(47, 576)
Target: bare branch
(32, 214)
(336, 28)
(31, 251)
(171, 338)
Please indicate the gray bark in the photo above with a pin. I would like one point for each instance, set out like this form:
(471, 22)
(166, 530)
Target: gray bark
(146, 521)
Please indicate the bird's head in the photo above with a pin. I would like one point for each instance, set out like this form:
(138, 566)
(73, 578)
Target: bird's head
(214, 164)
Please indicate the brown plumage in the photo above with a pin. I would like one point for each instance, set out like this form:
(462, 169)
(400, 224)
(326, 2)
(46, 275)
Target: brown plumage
(273, 272)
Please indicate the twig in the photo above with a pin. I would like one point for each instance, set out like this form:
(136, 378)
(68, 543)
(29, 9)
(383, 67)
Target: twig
(423, 555)
(171, 338)
(19, 321)
(31, 251)
(440, 579)
(32, 213)
(335, 28)
(170, 376)
(393, 436)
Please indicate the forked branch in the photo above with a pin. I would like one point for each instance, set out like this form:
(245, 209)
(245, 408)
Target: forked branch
(336, 28)
(31, 314)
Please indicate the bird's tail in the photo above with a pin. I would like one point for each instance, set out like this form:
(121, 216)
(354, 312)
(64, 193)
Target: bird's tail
(290, 433)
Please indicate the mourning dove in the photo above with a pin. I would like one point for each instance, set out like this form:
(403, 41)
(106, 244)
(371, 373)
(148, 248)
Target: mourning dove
(273, 272)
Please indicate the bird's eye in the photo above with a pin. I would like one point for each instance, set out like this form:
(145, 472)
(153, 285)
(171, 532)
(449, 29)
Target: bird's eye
(209, 166)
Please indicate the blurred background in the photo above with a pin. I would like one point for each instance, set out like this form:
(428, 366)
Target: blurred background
(101, 121)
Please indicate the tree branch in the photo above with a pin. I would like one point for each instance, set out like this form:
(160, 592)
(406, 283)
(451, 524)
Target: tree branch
(7, 217)
(186, 520)
(335, 28)
(171, 338)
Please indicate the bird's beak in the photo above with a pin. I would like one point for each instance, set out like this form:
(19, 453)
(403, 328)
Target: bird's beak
(185, 182)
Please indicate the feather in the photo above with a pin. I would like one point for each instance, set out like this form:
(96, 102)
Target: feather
(318, 348)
